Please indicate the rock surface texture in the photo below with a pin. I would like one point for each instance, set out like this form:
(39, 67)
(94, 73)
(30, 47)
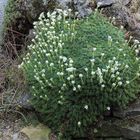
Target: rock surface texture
(123, 125)
(2, 6)
(126, 12)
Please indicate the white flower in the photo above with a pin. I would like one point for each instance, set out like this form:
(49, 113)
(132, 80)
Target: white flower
(79, 86)
(114, 58)
(48, 54)
(103, 86)
(80, 75)
(64, 59)
(73, 82)
(59, 102)
(68, 78)
(71, 61)
(126, 66)
(120, 50)
(66, 64)
(92, 60)
(113, 76)
(118, 78)
(110, 61)
(117, 73)
(138, 74)
(102, 54)
(39, 63)
(136, 51)
(69, 10)
(71, 76)
(108, 108)
(64, 85)
(74, 89)
(70, 64)
(104, 70)
(71, 69)
(113, 18)
(86, 69)
(110, 38)
(44, 51)
(56, 50)
(120, 83)
(94, 49)
(43, 75)
(79, 123)
(136, 41)
(58, 73)
(61, 73)
(46, 61)
(86, 107)
(127, 82)
(92, 73)
(113, 84)
(121, 27)
(51, 64)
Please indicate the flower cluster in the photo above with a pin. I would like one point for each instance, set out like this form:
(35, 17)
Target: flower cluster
(74, 75)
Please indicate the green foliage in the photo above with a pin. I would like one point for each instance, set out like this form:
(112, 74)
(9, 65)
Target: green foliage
(11, 13)
(78, 69)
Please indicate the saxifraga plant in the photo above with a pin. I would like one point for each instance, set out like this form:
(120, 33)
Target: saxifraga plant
(77, 69)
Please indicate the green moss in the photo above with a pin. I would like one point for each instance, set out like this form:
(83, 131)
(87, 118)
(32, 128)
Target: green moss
(11, 13)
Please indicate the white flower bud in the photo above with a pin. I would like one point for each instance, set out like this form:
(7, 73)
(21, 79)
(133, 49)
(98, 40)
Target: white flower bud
(80, 75)
(86, 69)
(127, 82)
(51, 64)
(108, 108)
(94, 49)
(79, 123)
(120, 83)
(73, 82)
(86, 107)
(74, 89)
(79, 86)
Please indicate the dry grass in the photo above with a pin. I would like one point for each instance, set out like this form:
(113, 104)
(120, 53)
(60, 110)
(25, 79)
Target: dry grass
(12, 84)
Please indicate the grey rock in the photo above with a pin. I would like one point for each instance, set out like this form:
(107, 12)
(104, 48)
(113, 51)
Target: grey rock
(83, 7)
(105, 3)
(2, 7)
(126, 2)
(122, 15)
(15, 136)
(125, 124)
(32, 8)
(132, 111)
(24, 101)
(119, 129)
(1, 134)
